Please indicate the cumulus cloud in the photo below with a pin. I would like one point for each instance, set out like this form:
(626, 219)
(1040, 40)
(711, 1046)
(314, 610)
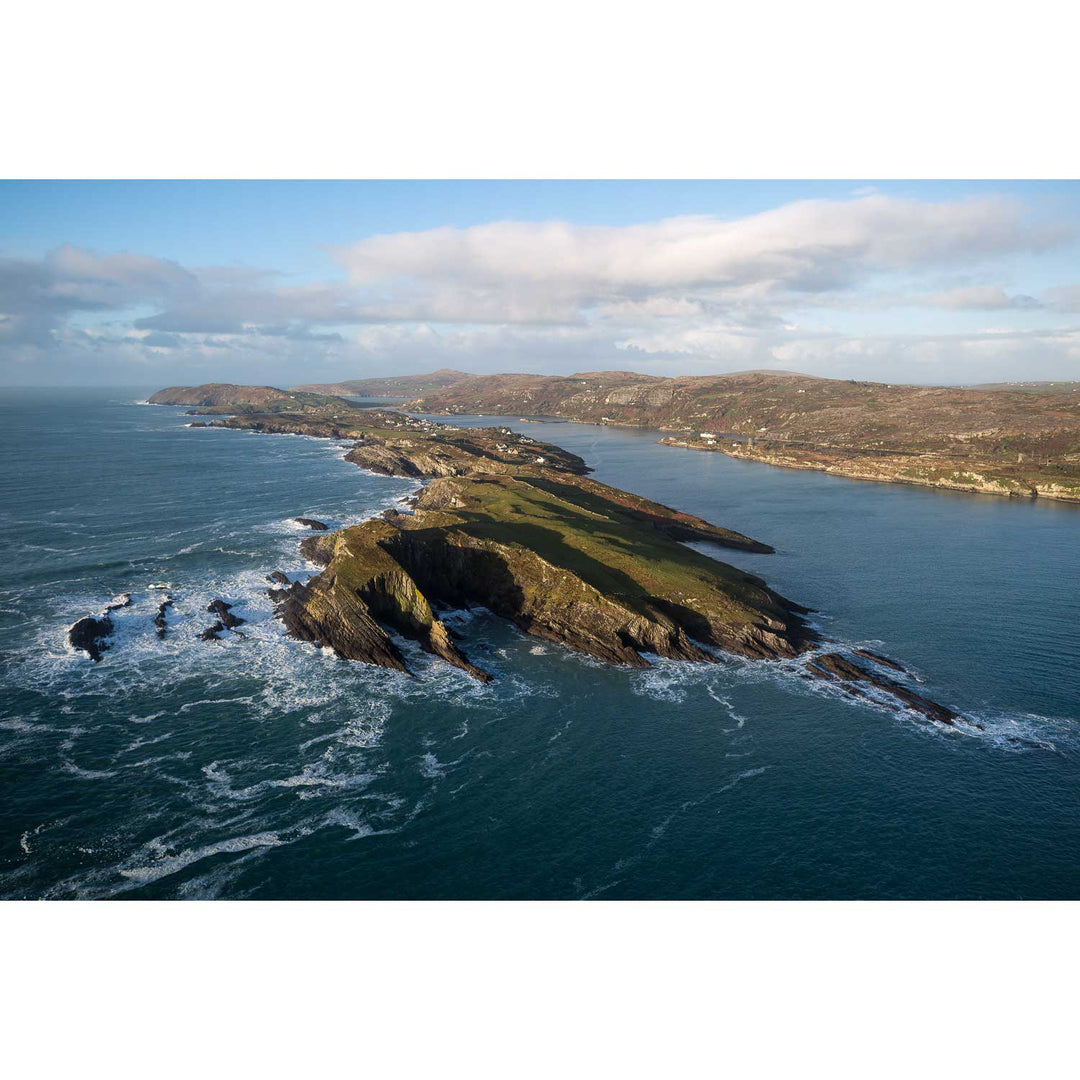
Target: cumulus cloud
(809, 247)
(687, 293)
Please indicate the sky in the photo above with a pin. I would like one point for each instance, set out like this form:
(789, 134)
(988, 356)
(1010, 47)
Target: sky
(154, 283)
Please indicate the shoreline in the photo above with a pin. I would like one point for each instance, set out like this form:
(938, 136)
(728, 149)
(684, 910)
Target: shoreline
(849, 473)
(852, 473)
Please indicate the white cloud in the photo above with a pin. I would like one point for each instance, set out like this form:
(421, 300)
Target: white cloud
(690, 294)
(809, 247)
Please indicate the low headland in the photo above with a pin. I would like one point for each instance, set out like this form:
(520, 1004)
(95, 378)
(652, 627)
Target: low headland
(516, 526)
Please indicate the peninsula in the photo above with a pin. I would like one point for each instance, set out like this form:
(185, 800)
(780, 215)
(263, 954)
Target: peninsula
(1021, 440)
(516, 526)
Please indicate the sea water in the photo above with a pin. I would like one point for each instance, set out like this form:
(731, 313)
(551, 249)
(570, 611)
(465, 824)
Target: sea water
(264, 767)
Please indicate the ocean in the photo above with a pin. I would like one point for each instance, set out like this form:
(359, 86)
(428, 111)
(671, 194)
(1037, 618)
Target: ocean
(261, 767)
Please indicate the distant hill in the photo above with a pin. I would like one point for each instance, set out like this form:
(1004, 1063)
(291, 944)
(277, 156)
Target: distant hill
(771, 403)
(1008, 440)
(399, 386)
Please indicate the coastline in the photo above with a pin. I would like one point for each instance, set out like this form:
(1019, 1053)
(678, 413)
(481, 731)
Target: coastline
(985, 486)
(979, 486)
(514, 525)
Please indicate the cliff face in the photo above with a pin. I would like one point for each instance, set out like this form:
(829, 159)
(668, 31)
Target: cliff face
(362, 588)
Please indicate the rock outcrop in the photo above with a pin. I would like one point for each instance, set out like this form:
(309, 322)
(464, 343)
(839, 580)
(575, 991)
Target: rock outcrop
(278, 578)
(226, 620)
(856, 681)
(363, 587)
(312, 523)
(159, 619)
(91, 634)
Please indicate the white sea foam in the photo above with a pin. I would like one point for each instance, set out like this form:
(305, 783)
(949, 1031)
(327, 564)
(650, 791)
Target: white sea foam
(171, 864)
(430, 767)
(86, 774)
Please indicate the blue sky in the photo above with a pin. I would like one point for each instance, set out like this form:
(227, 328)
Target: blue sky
(284, 282)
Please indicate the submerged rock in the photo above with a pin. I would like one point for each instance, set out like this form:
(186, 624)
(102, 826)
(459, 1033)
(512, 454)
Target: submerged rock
(884, 661)
(855, 680)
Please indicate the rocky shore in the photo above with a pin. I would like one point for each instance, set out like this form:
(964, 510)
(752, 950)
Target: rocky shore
(937, 470)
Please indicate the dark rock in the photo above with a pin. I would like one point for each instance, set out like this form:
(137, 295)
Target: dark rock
(854, 679)
(278, 578)
(318, 549)
(224, 612)
(159, 618)
(89, 634)
(312, 523)
(884, 661)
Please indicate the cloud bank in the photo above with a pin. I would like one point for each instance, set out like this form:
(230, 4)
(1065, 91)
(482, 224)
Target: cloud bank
(870, 287)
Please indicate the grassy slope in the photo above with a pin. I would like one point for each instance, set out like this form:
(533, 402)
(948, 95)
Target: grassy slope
(574, 526)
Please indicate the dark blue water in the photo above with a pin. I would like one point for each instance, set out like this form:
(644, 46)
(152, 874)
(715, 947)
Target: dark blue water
(264, 768)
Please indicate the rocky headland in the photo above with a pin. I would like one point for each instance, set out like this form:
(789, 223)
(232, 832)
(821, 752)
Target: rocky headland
(515, 525)
(231, 398)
